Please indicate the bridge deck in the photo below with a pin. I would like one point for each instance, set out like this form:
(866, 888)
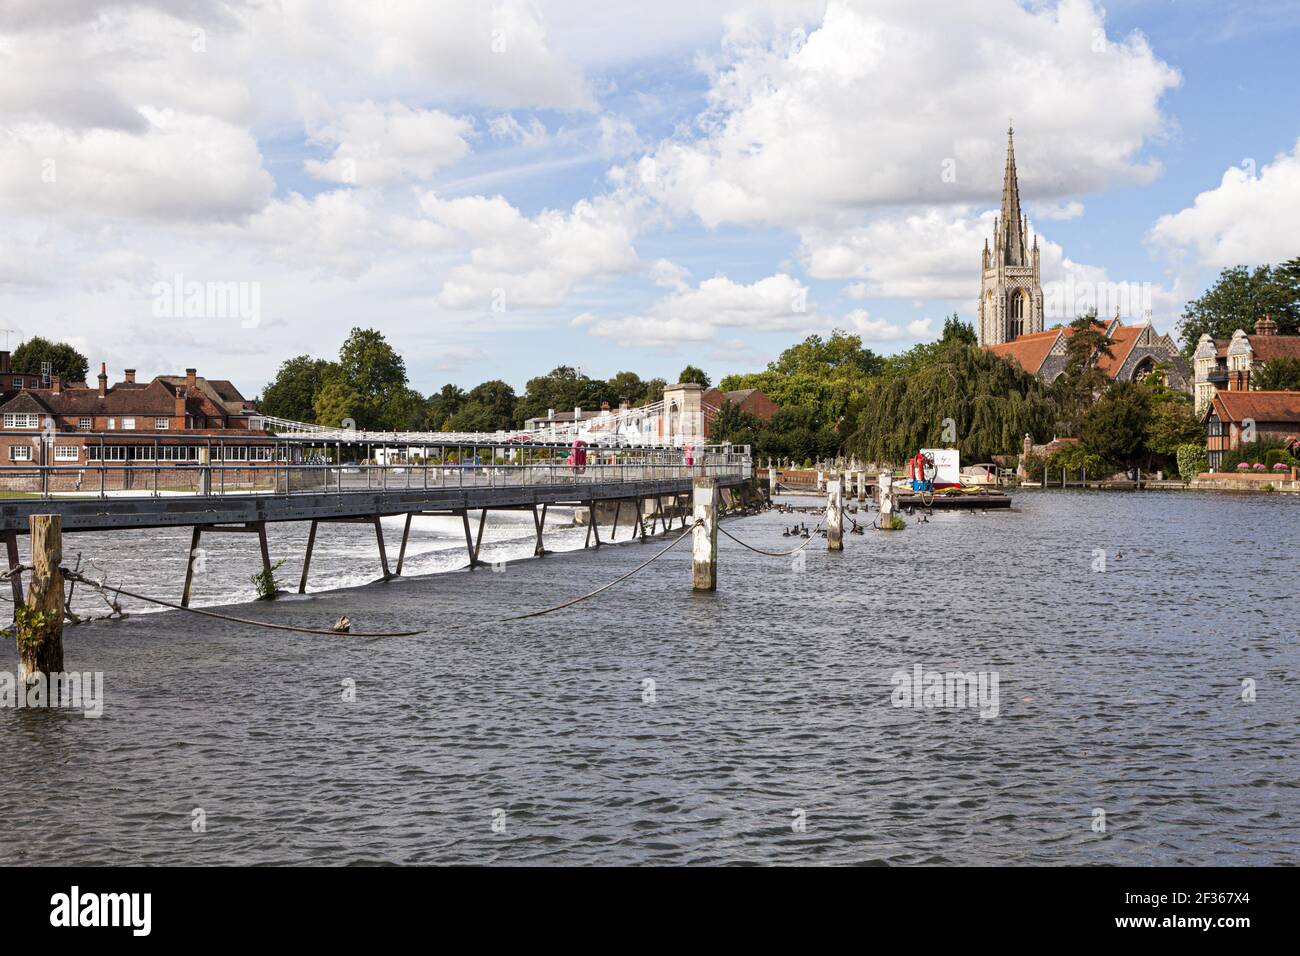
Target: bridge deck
(150, 511)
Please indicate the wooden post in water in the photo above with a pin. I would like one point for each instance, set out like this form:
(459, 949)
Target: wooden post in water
(886, 483)
(704, 544)
(40, 624)
(834, 518)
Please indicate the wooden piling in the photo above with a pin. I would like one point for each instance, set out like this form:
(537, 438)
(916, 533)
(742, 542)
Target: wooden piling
(834, 516)
(39, 626)
(704, 544)
(886, 484)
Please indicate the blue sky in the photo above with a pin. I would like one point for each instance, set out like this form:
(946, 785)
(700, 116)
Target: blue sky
(506, 187)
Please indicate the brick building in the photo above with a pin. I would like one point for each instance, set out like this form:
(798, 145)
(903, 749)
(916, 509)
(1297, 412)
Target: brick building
(1271, 415)
(1227, 364)
(130, 427)
(751, 401)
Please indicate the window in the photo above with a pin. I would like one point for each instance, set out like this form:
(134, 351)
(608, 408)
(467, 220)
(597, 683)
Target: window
(20, 452)
(85, 424)
(128, 424)
(67, 453)
(20, 420)
(112, 424)
(161, 424)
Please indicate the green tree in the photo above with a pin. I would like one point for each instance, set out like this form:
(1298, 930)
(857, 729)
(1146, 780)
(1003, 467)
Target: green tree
(376, 373)
(1239, 298)
(955, 332)
(1116, 427)
(65, 361)
(488, 407)
(1082, 381)
(442, 406)
(734, 426)
(841, 352)
(292, 393)
(1278, 375)
(966, 397)
(694, 375)
(337, 405)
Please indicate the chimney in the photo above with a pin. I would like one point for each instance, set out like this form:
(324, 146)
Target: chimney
(1266, 326)
(56, 385)
(191, 378)
(5, 366)
(550, 413)
(129, 376)
(577, 414)
(103, 379)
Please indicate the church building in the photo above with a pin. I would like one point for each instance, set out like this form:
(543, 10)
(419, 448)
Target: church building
(1011, 309)
(1011, 287)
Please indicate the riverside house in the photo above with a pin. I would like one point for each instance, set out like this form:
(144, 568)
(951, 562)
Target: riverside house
(132, 428)
(1232, 416)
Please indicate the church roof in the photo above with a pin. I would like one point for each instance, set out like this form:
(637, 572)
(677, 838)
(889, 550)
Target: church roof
(1029, 351)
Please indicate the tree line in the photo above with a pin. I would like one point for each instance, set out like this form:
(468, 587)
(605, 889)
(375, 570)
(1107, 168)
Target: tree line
(367, 387)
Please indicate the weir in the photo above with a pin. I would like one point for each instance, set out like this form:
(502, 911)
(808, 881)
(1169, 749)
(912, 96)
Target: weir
(337, 482)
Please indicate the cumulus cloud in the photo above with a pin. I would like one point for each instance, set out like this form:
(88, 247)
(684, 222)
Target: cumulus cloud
(1245, 219)
(879, 106)
(379, 145)
(776, 303)
(521, 261)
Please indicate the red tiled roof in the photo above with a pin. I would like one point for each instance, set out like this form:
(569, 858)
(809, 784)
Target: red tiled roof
(1260, 406)
(1028, 351)
(1122, 340)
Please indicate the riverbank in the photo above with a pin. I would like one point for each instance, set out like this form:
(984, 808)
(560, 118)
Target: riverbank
(655, 725)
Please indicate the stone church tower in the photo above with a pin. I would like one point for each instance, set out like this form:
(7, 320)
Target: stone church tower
(1011, 292)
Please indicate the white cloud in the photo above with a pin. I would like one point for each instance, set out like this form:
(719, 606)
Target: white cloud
(777, 303)
(379, 145)
(518, 261)
(871, 107)
(1245, 219)
(181, 167)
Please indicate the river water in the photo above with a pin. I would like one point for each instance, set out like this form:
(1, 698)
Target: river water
(654, 725)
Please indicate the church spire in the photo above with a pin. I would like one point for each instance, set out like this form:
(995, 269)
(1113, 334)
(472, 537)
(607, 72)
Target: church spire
(1013, 236)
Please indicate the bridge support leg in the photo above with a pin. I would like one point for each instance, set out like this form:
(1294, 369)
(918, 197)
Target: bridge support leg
(704, 545)
(539, 549)
(478, 539)
(195, 537)
(266, 551)
(640, 518)
(834, 516)
(16, 578)
(469, 539)
(383, 552)
(401, 552)
(306, 558)
(618, 510)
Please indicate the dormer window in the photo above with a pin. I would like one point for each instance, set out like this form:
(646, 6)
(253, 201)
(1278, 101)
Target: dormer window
(22, 420)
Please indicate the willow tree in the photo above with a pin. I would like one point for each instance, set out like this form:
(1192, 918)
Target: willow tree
(965, 398)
